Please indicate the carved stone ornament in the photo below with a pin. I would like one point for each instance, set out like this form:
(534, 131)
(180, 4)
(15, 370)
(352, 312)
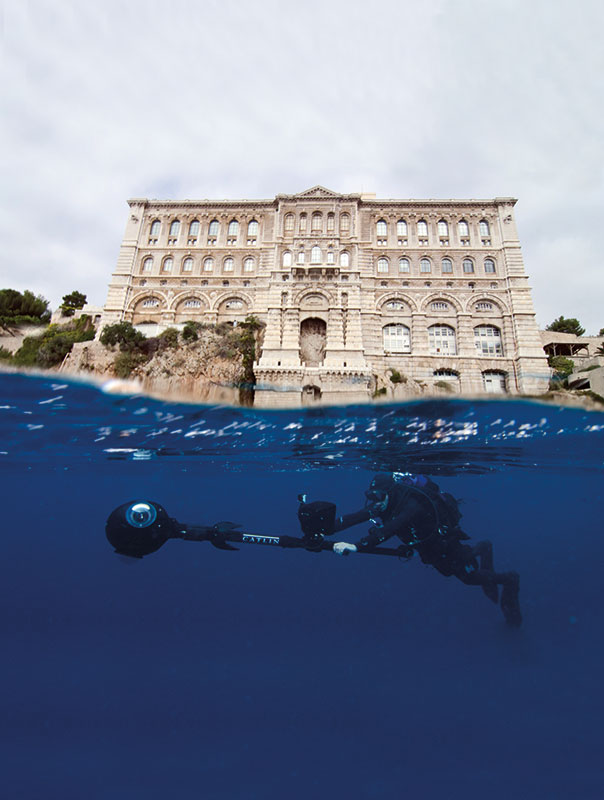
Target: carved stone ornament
(317, 191)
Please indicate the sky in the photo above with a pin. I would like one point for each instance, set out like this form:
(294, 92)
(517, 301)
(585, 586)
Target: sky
(107, 100)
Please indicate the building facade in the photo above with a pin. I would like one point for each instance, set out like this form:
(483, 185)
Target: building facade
(349, 286)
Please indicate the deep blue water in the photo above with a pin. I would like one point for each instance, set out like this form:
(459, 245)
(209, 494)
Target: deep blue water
(269, 673)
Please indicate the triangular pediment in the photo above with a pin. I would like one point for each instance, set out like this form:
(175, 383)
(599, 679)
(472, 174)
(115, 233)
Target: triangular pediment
(318, 191)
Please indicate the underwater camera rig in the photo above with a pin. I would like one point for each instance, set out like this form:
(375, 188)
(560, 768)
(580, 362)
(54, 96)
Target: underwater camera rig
(141, 527)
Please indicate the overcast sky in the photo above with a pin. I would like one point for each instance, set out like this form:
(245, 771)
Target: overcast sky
(106, 100)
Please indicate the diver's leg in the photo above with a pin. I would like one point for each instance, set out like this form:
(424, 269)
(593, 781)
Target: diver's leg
(484, 551)
(510, 581)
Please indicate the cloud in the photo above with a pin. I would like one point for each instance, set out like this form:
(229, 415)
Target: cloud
(445, 99)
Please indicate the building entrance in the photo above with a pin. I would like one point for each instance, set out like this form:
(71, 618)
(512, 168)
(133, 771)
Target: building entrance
(313, 337)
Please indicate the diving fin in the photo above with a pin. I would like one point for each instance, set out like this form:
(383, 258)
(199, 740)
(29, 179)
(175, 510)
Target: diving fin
(509, 600)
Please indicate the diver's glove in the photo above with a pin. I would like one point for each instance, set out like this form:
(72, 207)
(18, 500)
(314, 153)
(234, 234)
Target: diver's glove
(344, 548)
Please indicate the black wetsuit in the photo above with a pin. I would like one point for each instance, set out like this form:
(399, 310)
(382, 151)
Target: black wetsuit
(424, 521)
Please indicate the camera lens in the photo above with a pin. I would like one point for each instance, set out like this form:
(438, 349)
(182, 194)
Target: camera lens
(141, 515)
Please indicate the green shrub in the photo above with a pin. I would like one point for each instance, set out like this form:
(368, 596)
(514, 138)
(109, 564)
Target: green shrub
(190, 331)
(444, 385)
(396, 377)
(123, 334)
(562, 367)
(126, 361)
(5, 355)
(168, 339)
(54, 350)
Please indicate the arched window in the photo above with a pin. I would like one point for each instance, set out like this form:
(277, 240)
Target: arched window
(214, 228)
(494, 382)
(252, 228)
(381, 227)
(187, 264)
(317, 221)
(489, 265)
(439, 305)
(301, 257)
(233, 228)
(443, 229)
(227, 265)
(468, 266)
(148, 264)
(487, 339)
(192, 302)
(422, 228)
(425, 265)
(448, 376)
(404, 265)
(208, 265)
(302, 224)
(288, 224)
(395, 305)
(194, 228)
(442, 340)
(344, 258)
(315, 255)
(287, 258)
(167, 265)
(483, 227)
(463, 229)
(155, 228)
(446, 265)
(150, 302)
(345, 223)
(248, 264)
(331, 258)
(331, 222)
(382, 265)
(401, 228)
(174, 227)
(397, 338)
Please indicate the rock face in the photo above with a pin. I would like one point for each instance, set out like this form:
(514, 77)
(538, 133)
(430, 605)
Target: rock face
(203, 371)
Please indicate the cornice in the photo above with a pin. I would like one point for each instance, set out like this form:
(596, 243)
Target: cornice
(205, 203)
(372, 203)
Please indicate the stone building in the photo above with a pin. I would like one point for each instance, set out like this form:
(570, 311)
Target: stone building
(350, 287)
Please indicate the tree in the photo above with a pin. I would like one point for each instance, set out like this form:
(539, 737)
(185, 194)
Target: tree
(22, 309)
(71, 302)
(566, 325)
(601, 332)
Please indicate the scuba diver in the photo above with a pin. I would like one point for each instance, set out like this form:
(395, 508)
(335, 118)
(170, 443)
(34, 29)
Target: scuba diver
(426, 520)
(410, 507)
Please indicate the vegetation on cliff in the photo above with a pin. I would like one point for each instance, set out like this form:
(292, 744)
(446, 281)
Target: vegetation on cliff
(49, 348)
(140, 356)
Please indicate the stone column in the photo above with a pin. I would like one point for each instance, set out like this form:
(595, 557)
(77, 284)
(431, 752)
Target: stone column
(465, 336)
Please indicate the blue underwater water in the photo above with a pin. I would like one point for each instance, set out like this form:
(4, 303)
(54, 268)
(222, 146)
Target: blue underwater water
(271, 673)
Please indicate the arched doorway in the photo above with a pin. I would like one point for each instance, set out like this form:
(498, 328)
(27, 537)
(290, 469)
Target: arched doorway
(310, 394)
(313, 337)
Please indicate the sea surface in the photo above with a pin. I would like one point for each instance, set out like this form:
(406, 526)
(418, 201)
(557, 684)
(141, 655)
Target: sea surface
(282, 674)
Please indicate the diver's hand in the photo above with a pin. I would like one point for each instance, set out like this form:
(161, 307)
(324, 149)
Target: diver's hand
(344, 549)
